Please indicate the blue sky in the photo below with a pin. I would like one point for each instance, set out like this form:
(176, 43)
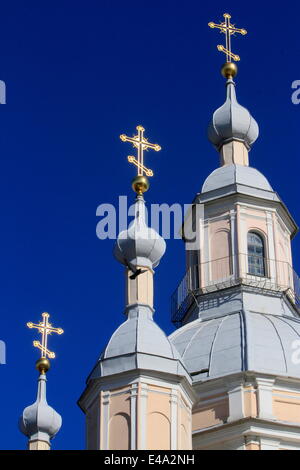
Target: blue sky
(78, 74)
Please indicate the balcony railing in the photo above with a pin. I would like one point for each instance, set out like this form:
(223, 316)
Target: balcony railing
(230, 271)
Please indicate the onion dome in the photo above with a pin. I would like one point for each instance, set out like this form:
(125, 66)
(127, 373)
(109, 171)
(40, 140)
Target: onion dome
(39, 421)
(139, 245)
(232, 122)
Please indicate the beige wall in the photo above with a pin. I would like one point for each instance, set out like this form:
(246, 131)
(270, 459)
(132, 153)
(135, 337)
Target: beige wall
(158, 431)
(218, 238)
(38, 445)
(160, 402)
(219, 246)
(250, 402)
(185, 427)
(219, 250)
(210, 414)
(214, 410)
(159, 418)
(252, 446)
(286, 406)
(140, 289)
(92, 425)
(119, 420)
(159, 423)
(110, 417)
(119, 432)
(234, 152)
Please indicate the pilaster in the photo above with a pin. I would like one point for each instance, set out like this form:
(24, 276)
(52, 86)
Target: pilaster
(235, 392)
(265, 397)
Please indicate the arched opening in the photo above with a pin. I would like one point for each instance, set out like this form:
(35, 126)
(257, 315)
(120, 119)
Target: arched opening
(221, 268)
(256, 255)
(185, 443)
(159, 432)
(119, 432)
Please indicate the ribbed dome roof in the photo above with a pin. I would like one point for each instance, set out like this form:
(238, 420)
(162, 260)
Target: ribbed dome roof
(139, 245)
(232, 122)
(139, 343)
(140, 334)
(236, 174)
(239, 342)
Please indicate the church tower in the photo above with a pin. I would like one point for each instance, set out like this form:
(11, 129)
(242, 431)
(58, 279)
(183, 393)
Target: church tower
(139, 394)
(39, 422)
(237, 307)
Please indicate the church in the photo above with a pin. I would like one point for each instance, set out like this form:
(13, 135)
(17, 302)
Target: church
(228, 378)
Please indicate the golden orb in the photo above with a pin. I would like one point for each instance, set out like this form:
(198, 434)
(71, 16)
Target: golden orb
(140, 184)
(229, 70)
(42, 365)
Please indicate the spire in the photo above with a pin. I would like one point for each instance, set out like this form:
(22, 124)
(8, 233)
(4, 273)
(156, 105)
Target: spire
(139, 248)
(120, 393)
(39, 422)
(139, 245)
(232, 129)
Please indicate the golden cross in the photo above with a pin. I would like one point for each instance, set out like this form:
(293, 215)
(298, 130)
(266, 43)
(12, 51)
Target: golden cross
(228, 29)
(45, 328)
(141, 143)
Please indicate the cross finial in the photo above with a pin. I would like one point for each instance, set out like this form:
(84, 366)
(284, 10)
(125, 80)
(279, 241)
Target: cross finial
(141, 144)
(228, 29)
(45, 328)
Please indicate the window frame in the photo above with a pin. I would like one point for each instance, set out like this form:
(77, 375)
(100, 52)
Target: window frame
(263, 257)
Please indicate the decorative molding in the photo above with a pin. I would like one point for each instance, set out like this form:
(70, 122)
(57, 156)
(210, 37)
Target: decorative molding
(206, 247)
(105, 420)
(210, 401)
(222, 216)
(269, 444)
(267, 429)
(174, 419)
(236, 401)
(133, 415)
(116, 394)
(234, 243)
(142, 416)
(265, 397)
(283, 395)
(271, 247)
(252, 439)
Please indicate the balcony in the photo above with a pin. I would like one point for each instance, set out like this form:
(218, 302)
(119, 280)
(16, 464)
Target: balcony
(226, 272)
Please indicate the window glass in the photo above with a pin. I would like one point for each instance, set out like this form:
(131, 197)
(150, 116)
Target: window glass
(256, 255)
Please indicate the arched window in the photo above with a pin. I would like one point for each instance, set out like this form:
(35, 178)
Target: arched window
(256, 255)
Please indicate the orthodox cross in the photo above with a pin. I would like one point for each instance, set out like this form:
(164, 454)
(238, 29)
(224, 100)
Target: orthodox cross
(141, 144)
(228, 29)
(45, 328)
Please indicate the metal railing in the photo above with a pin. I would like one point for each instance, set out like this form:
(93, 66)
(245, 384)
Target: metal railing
(230, 271)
